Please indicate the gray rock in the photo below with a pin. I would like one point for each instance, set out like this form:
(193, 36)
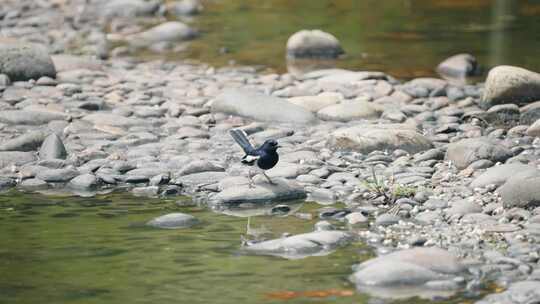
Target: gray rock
(24, 61)
(148, 171)
(148, 191)
(4, 80)
(313, 44)
(523, 292)
(415, 266)
(463, 207)
(173, 221)
(67, 62)
(458, 66)
(168, 32)
(481, 164)
(510, 84)
(52, 148)
(315, 103)
(302, 245)
(534, 129)
(530, 113)
(57, 175)
(521, 191)
(33, 184)
(466, 151)
(386, 219)
(503, 115)
(288, 170)
(129, 8)
(368, 138)
(202, 178)
(498, 175)
(427, 217)
(25, 117)
(260, 107)
(348, 111)
(342, 77)
(16, 158)
(200, 166)
(27, 142)
(322, 196)
(434, 204)
(113, 120)
(85, 182)
(185, 8)
(356, 218)
(281, 190)
(6, 183)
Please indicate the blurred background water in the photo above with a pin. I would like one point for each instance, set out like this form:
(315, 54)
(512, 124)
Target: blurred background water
(405, 38)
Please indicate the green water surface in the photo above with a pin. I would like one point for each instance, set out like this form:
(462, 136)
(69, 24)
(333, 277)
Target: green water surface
(405, 38)
(97, 250)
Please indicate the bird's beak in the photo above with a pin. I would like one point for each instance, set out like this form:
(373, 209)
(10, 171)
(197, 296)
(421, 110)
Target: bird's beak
(278, 146)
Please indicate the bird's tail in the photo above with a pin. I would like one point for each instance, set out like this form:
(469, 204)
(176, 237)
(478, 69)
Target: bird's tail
(242, 140)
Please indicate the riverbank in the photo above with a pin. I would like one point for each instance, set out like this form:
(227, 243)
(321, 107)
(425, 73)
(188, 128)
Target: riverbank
(458, 160)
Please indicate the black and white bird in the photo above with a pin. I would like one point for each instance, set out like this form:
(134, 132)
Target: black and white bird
(264, 157)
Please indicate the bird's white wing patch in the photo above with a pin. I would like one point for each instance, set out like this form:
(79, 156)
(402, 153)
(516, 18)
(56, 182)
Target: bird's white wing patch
(250, 159)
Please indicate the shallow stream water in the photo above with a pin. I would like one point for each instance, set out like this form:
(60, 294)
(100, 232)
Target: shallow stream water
(405, 38)
(56, 249)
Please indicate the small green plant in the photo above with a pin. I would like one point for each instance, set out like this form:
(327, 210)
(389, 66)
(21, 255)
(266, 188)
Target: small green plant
(390, 190)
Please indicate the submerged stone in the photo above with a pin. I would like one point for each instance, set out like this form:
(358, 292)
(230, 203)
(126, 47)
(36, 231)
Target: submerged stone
(302, 245)
(173, 221)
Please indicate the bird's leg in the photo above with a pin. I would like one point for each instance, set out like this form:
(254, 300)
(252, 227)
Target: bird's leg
(268, 178)
(250, 178)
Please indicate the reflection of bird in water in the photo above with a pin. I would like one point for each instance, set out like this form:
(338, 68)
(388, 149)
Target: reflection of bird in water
(255, 235)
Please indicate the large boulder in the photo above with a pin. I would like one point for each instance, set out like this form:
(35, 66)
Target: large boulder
(366, 138)
(417, 269)
(510, 84)
(301, 245)
(458, 66)
(352, 110)
(260, 107)
(264, 192)
(521, 191)
(466, 151)
(498, 175)
(313, 44)
(168, 32)
(24, 61)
